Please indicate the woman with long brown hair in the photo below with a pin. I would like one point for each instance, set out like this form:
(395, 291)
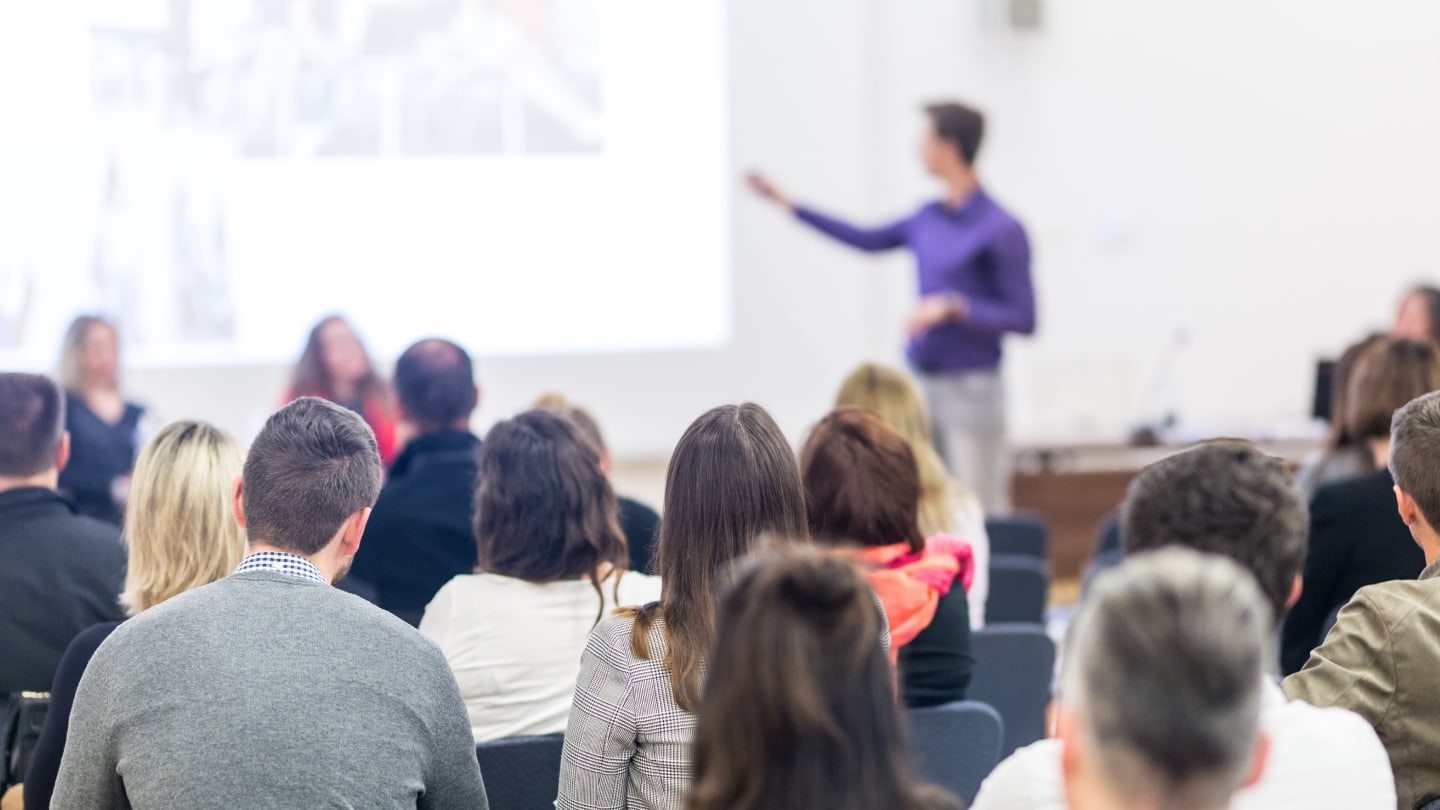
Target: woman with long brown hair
(551, 563)
(799, 707)
(336, 366)
(862, 489)
(105, 428)
(732, 479)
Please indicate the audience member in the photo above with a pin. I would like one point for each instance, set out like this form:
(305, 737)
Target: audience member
(1162, 688)
(946, 506)
(180, 533)
(731, 479)
(1344, 456)
(639, 522)
(862, 494)
(333, 701)
(336, 366)
(552, 564)
(1229, 499)
(61, 571)
(104, 428)
(419, 536)
(799, 707)
(1419, 316)
(1381, 658)
(1356, 536)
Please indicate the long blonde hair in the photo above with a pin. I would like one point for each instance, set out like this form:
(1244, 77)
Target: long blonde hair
(180, 522)
(894, 397)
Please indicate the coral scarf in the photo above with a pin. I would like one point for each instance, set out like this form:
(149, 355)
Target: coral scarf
(911, 583)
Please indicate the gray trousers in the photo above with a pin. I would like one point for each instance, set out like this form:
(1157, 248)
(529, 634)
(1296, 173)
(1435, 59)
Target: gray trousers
(968, 411)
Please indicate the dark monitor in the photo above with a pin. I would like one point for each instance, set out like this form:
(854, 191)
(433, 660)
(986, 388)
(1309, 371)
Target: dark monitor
(1324, 386)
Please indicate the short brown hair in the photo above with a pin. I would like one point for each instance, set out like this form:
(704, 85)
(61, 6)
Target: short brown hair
(32, 422)
(861, 481)
(958, 124)
(313, 465)
(1389, 374)
(1415, 454)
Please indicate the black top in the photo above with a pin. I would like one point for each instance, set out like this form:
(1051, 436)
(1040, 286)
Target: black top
(59, 574)
(639, 523)
(45, 761)
(935, 666)
(1356, 539)
(99, 453)
(419, 536)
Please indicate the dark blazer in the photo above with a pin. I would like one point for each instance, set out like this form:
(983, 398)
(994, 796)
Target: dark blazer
(640, 524)
(59, 574)
(420, 535)
(1356, 539)
(99, 453)
(936, 665)
(45, 761)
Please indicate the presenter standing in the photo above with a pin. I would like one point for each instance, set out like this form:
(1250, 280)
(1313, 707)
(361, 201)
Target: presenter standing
(973, 260)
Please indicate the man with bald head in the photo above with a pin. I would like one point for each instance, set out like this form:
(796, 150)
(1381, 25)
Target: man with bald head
(419, 534)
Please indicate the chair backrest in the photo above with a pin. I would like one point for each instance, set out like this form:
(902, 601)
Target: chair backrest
(956, 745)
(1434, 804)
(1014, 669)
(521, 773)
(1019, 589)
(1018, 534)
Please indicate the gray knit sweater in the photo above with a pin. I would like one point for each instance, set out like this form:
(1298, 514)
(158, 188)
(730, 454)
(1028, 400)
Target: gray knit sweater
(268, 690)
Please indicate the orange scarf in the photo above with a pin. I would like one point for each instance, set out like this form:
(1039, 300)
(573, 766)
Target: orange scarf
(911, 583)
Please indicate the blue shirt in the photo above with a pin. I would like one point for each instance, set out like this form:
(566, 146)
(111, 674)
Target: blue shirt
(977, 250)
(282, 563)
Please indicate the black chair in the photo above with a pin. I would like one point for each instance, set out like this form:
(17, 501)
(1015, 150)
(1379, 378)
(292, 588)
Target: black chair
(1018, 534)
(956, 745)
(521, 773)
(1019, 589)
(1014, 667)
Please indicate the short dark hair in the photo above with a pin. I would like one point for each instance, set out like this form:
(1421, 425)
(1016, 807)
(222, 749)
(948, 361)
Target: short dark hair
(1223, 497)
(862, 484)
(1388, 374)
(32, 422)
(960, 125)
(435, 383)
(313, 465)
(1415, 453)
(544, 511)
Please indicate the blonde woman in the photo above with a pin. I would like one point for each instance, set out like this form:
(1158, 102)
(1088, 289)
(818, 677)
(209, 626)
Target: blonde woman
(945, 505)
(180, 532)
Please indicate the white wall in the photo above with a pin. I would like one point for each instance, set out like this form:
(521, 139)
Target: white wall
(1260, 174)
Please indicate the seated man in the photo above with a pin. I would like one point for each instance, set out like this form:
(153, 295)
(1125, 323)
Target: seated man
(59, 572)
(1228, 498)
(1382, 656)
(1162, 686)
(270, 688)
(420, 535)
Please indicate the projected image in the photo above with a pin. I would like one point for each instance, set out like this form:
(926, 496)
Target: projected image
(305, 78)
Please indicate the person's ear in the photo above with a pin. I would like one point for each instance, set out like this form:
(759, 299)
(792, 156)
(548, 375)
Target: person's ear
(62, 454)
(352, 531)
(1257, 764)
(475, 400)
(1296, 588)
(238, 501)
(1406, 506)
(607, 463)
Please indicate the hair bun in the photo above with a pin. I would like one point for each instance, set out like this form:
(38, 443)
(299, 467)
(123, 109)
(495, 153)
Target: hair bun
(820, 585)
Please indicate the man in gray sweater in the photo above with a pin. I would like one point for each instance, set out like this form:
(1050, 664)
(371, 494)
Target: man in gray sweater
(270, 688)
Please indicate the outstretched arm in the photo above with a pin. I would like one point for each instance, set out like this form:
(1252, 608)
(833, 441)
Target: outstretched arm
(885, 237)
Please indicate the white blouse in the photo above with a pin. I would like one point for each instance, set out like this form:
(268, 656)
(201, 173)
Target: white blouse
(515, 645)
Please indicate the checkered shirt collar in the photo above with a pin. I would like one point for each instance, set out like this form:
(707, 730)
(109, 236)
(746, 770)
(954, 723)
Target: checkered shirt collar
(282, 563)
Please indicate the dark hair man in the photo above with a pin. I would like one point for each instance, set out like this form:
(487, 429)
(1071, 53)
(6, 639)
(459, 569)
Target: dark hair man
(419, 536)
(270, 688)
(59, 572)
(973, 260)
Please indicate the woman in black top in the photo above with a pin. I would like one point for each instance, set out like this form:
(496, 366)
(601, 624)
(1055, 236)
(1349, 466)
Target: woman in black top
(1356, 535)
(104, 428)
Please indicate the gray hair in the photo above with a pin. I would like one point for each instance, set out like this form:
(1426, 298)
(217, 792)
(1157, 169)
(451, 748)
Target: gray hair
(313, 465)
(1415, 453)
(1164, 672)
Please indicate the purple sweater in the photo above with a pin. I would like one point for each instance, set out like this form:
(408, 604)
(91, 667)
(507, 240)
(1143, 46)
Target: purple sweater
(977, 250)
